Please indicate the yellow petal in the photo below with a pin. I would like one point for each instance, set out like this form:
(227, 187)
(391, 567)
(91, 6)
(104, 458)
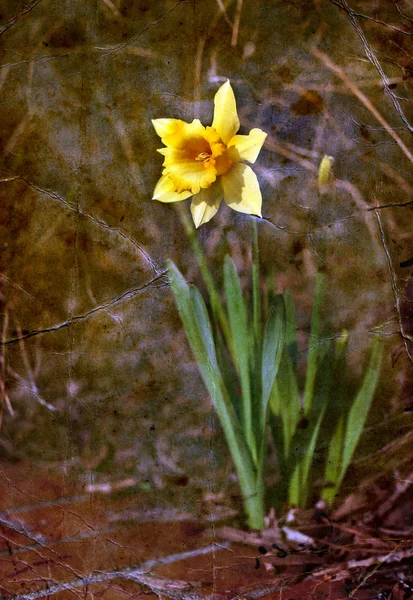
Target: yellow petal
(241, 190)
(248, 146)
(165, 127)
(226, 120)
(183, 132)
(163, 186)
(206, 204)
(213, 139)
(165, 191)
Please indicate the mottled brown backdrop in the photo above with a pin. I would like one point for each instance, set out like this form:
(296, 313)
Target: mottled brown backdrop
(97, 381)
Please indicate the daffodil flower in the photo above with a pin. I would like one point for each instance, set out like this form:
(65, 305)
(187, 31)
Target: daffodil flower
(206, 162)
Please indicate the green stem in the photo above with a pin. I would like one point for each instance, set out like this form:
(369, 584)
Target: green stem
(250, 475)
(256, 283)
(255, 358)
(216, 305)
(254, 503)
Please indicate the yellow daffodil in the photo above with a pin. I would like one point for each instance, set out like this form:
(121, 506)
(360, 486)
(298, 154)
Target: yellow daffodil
(205, 162)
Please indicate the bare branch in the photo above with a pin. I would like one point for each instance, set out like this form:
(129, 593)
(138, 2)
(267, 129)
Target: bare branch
(363, 99)
(372, 57)
(130, 293)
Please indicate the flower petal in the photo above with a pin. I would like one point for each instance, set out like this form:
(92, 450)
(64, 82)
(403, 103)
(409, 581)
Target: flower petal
(241, 190)
(226, 120)
(165, 127)
(248, 146)
(183, 132)
(165, 191)
(206, 204)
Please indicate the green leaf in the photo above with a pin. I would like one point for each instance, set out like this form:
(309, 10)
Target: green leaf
(269, 294)
(194, 316)
(307, 460)
(306, 435)
(203, 324)
(273, 345)
(333, 462)
(291, 328)
(228, 371)
(241, 344)
(278, 438)
(288, 400)
(323, 396)
(314, 346)
(216, 304)
(295, 485)
(275, 400)
(360, 407)
(336, 416)
(202, 351)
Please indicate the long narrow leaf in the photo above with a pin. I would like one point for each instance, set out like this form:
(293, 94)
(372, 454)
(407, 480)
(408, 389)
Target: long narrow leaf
(241, 340)
(278, 437)
(361, 406)
(204, 353)
(322, 398)
(313, 347)
(275, 400)
(291, 328)
(273, 345)
(228, 372)
(269, 294)
(288, 400)
(194, 316)
(333, 462)
(203, 324)
(216, 305)
(336, 416)
(191, 307)
(305, 439)
(295, 486)
(309, 456)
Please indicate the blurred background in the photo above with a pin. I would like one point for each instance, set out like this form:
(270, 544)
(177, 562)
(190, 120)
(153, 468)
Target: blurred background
(96, 375)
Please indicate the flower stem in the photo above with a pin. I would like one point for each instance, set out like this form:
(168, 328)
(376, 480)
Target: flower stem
(244, 450)
(256, 283)
(206, 274)
(257, 342)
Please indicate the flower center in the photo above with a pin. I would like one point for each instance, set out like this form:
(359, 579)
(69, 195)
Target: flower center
(203, 156)
(199, 149)
(195, 146)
